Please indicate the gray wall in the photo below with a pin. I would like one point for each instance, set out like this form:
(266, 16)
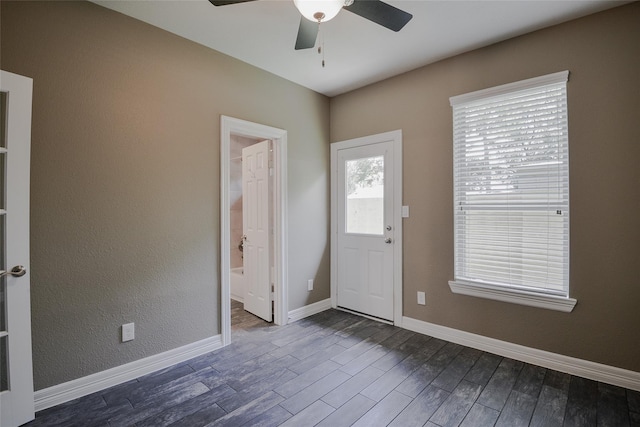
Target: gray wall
(125, 181)
(602, 53)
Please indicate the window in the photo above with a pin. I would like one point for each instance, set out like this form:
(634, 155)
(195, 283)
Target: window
(511, 193)
(364, 181)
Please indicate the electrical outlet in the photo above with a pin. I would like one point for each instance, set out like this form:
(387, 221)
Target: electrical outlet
(128, 332)
(421, 298)
(310, 284)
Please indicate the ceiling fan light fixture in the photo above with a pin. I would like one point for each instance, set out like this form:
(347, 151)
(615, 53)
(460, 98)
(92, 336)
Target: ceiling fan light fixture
(319, 10)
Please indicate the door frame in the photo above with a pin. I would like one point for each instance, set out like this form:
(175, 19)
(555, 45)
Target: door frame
(232, 126)
(396, 138)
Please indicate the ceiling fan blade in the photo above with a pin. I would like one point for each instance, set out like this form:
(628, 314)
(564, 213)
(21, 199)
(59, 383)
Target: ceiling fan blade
(226, 2)
(307, 34)
(381, 13)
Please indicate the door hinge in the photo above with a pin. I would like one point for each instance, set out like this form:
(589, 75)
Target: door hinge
(270, 154)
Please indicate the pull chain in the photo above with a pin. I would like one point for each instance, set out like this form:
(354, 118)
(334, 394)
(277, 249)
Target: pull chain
(321, 45)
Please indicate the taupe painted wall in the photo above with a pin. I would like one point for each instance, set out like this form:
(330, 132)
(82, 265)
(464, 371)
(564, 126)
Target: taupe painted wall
(125, 181)
(603, 55)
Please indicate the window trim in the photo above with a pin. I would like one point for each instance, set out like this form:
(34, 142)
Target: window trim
(499, 293)
(531, 299)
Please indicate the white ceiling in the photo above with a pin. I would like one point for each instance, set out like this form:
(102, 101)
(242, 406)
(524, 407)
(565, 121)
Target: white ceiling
(357, 52)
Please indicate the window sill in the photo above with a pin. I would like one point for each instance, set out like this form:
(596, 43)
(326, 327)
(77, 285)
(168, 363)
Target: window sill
(549, 302)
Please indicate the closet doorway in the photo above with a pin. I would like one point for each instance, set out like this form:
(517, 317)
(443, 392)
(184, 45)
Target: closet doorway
(253, 254)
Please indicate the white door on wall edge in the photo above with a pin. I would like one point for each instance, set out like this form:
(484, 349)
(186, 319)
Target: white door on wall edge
(364, 225)
(256, 223)
(16, 371)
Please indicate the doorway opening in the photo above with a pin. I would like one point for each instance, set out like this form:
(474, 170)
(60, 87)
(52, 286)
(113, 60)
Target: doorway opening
(237, 135)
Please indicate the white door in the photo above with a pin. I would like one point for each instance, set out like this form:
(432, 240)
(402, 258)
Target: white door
(256, 203)
(16, 374)
(365, 226)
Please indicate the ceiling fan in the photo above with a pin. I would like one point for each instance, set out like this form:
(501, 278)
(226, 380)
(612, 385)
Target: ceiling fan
(315, 12)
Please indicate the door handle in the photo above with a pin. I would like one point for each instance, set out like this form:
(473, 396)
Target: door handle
(17, 271)
(387, 240)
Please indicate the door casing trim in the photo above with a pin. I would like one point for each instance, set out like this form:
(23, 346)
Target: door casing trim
(229, 126)
(396, 138)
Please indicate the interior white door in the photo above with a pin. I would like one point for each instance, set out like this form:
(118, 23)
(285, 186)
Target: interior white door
(16, 372)
(256, 208)
(365, 229)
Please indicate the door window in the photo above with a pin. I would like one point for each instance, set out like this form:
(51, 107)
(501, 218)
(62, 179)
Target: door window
(364, 182)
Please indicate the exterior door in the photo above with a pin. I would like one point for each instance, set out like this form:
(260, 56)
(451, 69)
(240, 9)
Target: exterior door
(16, 372)
(365, 225)
(256, 208)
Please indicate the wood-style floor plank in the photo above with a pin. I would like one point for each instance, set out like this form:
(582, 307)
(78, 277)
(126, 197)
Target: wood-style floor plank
(335, 369)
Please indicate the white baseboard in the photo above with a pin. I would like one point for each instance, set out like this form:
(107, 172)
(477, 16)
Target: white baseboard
(61, 393)
(309, 310)
(558, 362)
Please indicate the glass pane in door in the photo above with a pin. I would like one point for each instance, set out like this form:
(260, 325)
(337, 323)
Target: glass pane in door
(364, 181)
(3, 147)
(3, 282)
(4, 377)
(3, 310)
(3, 119)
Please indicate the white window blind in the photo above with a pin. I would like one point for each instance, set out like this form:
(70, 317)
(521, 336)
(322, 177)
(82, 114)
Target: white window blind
(511, 187)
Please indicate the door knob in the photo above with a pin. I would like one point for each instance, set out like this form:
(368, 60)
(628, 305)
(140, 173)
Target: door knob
(17, 271)
(387, 240)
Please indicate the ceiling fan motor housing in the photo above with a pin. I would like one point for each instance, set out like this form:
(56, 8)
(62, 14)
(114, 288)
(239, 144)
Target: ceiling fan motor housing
(319, 10)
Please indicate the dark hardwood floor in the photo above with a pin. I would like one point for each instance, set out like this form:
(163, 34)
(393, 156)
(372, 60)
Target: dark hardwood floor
(336, 369)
